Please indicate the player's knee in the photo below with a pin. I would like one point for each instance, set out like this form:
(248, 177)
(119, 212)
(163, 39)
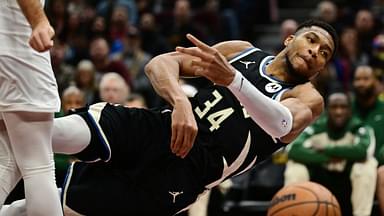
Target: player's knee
(366, 169)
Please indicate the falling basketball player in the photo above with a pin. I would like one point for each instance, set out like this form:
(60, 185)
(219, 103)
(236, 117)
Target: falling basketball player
(159, 162)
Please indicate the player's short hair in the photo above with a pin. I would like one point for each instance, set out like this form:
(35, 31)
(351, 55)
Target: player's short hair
(323, 25)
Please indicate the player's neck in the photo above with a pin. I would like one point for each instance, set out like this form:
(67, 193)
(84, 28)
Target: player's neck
(281, 69)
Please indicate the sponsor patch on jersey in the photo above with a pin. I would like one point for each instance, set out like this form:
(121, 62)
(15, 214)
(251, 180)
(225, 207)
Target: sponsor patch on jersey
(273, 87)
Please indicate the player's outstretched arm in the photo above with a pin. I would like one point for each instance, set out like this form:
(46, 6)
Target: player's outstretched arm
(42, 31)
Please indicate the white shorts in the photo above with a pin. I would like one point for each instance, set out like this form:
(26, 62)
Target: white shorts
(27, 82)
(27, 85)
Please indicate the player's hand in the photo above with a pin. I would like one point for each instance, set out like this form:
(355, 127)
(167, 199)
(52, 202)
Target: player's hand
(184, 128)
(212, 64)
(41, 37)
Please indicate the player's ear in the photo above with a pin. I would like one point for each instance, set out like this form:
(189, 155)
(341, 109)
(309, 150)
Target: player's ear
(288, 39)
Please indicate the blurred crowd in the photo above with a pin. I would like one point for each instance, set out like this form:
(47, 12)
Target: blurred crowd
(102, 46)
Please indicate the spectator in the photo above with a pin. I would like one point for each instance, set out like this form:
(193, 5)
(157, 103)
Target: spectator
(105, 7)
(98, 27)
(85, 81)
(336, 151)
(181, 24)
(349, 56)
(365, 26)
(328, 12)
(377, 60)
(287, 27)
(113, 89)
(99, 53)
(366, 105)
(153, 42)
(64, 72)
(136, 100)
(72, 98)
(371, 111)
(133, 56)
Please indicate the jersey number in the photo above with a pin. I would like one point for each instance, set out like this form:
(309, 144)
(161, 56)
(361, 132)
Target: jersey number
(217, 117)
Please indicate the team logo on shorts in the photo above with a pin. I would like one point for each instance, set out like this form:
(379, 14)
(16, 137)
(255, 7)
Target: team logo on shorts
(273, 87)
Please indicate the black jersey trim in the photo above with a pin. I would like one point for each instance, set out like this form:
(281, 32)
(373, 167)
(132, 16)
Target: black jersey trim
(244, 53)
(66, 184)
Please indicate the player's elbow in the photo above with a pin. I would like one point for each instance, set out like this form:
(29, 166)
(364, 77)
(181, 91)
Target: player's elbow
(149, 67)
(317, 108)
(301, 119)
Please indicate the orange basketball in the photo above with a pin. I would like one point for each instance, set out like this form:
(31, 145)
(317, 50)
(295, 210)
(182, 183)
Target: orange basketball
(303, 199)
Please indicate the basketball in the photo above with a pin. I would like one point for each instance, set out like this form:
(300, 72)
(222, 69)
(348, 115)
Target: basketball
(303, 199)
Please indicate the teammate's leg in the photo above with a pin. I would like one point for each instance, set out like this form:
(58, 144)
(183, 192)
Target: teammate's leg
(9, 172)
(295, 172)
(31, 140)
(363, 181)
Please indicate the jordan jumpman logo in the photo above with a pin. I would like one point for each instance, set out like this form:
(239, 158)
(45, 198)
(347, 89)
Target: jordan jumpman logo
(175, 194)
(246, 63)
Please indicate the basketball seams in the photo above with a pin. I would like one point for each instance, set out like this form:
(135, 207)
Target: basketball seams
(304, 203)
(315, 195)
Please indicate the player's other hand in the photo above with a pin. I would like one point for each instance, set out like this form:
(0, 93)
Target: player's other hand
(41, 37)
(184, 128)
(212, 64)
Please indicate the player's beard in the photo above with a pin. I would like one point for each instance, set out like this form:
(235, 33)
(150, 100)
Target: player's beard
(367, 93)
(293, 73)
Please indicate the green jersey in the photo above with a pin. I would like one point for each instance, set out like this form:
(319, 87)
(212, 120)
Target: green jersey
(338, 149)
(373, 117)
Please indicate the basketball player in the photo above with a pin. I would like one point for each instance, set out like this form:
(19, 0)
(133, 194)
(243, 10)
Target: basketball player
(159, 162)
(28, 98)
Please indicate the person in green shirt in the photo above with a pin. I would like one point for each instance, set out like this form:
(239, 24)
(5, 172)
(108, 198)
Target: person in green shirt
(337, 152)
(369, 109)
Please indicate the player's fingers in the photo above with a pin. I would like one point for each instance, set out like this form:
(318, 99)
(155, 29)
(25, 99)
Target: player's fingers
(35, 45)
(46, 40)
(200, 64)
(200, 44)
(36, 42)
(179, 141)
(173, 138)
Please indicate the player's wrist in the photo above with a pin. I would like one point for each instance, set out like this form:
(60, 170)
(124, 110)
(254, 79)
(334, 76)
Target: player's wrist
(236, 82)
(180, 100)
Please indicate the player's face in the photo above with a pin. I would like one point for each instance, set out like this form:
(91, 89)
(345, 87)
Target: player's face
(309, 50)
(338, 110)
(364, 82)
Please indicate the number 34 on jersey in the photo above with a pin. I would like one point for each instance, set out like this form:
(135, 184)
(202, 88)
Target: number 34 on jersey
(217, 117)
